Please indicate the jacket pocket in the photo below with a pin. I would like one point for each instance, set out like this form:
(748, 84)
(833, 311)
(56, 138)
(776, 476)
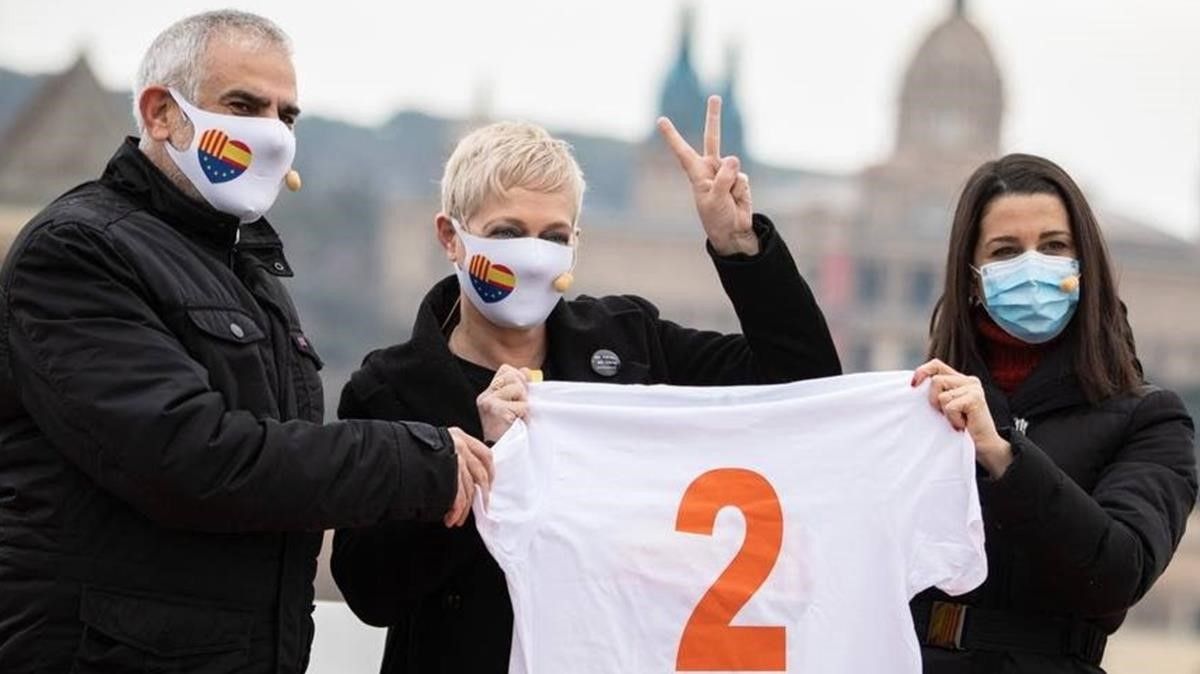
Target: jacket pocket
(232, 347)
(227, 325)
(129, 632)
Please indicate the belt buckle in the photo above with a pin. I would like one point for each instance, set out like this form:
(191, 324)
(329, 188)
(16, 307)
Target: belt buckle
(946, 622)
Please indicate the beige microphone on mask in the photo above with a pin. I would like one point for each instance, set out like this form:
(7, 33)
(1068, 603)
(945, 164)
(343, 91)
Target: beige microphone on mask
(292, 180)
(564, 281)
(1069, 284)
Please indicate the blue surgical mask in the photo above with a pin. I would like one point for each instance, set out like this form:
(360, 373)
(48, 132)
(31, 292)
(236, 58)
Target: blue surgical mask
(1032, 296)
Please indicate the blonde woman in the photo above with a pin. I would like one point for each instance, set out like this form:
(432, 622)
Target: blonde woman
(511, 198)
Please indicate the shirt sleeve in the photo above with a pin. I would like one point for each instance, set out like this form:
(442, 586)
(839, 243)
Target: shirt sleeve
(948, 540)
(509, 518)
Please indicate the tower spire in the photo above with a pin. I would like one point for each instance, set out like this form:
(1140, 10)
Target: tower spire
(732, 131)
(687, 22)
(682, 98)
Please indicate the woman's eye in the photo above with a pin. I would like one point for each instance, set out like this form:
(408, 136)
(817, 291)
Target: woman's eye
(559, 238)
(239, 108)
(505, 233)
(1056, 247)
(1005, 252)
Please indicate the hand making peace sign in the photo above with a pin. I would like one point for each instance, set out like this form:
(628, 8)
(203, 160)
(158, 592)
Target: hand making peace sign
(722, 192)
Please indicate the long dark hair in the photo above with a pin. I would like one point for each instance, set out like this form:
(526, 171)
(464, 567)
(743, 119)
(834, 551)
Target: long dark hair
(1099, 334)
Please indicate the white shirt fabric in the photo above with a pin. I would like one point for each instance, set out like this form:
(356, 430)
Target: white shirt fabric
(875, 489)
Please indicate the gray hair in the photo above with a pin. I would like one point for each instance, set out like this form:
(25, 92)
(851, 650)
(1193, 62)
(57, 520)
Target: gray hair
(176, 57)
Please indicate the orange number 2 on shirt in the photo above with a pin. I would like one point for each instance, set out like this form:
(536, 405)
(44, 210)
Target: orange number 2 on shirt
(709, 642)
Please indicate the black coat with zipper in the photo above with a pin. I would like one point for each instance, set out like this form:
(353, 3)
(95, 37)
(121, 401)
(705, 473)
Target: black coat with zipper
(438, 590)
(164, 473)
(1086, 517)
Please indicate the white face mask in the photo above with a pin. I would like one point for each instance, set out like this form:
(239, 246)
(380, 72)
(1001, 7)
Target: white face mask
(236, 163)
(511, 281)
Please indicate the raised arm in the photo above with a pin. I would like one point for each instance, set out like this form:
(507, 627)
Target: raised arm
(784, 334)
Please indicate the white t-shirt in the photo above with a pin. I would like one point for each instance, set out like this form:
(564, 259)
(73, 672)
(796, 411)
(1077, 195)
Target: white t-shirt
(851, 494)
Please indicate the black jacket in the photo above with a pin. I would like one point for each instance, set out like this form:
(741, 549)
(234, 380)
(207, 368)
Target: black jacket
(443, 597)
(164, 475)
(1086, 517)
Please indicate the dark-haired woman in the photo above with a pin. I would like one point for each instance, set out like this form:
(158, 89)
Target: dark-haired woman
(1087, 473)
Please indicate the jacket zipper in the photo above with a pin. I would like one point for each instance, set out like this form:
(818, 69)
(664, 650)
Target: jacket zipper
(237, 237)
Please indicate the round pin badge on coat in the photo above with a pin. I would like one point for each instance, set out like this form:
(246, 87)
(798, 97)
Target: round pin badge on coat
(606, 363)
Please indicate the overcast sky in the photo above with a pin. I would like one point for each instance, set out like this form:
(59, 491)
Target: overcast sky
(1108, 88)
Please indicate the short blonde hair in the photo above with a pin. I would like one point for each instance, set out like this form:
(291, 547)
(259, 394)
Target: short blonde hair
(493, 159)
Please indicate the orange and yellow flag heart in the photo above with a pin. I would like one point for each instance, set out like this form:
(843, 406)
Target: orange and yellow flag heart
(492, 281)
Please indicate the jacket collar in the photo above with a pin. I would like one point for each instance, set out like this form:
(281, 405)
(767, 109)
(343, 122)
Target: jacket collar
(130, 171)
(427, 379)
(433, 385)
(1050, 387)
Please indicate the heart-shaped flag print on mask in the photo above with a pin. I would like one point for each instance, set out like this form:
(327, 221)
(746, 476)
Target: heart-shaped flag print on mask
(223, 159)
(493, 282)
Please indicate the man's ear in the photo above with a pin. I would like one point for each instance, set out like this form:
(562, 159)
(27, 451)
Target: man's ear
(447, 237)
(160, 114)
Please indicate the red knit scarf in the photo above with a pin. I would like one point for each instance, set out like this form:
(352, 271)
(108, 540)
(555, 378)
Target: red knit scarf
(1009, 359)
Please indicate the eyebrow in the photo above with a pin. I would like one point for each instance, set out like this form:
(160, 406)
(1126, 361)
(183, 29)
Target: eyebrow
(1013, 239)
(506, 221)
(260, 101)
(517, 222)
(1054, 232)
(288, 108)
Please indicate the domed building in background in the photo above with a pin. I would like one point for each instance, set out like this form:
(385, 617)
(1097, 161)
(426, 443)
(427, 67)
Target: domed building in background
(952, 101)
(950, 117)
(885, 259)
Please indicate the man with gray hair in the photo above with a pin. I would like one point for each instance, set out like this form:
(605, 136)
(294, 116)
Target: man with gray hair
(164, 471)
